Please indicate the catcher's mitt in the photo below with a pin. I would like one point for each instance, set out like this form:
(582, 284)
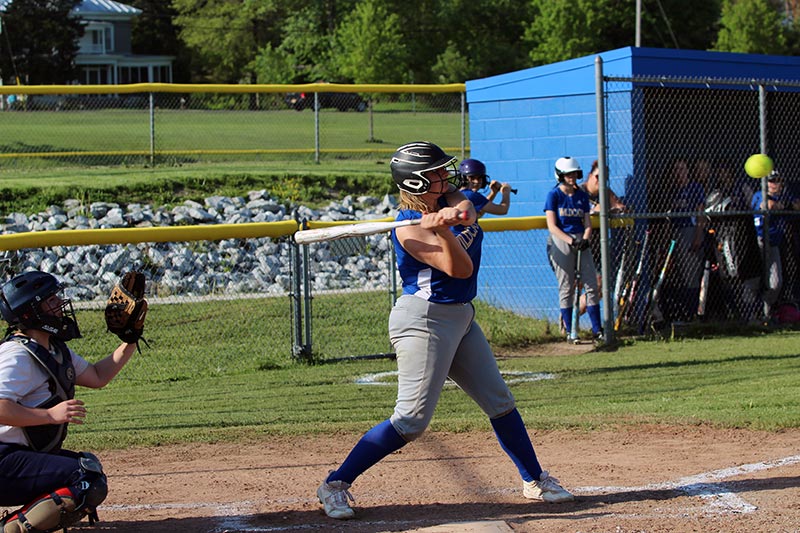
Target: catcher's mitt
(126, 308)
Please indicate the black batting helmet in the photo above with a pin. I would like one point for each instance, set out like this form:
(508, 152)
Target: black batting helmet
(21, 301)
(411, 161)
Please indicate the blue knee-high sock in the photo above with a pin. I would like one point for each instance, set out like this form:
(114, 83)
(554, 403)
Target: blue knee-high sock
(376, 444)
(594, 318)
(513, 437)
(566, 317)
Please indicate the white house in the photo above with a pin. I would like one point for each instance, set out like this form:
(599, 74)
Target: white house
(104, 55)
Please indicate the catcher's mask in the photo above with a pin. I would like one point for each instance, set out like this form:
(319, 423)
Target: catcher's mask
(472, 167)
(412, 161)
(21, 302)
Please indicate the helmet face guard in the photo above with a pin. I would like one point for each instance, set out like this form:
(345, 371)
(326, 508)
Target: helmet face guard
(412, 161)
(21, 302)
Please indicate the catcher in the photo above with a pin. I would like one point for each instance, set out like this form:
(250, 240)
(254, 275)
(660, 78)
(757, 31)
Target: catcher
(38, 372)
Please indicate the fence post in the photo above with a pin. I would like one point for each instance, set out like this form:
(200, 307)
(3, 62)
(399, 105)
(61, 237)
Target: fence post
(608, 325)
(762, 126)
(463, 124)
(316, 127)
(307, 301)
(152, 131)
(294, 297)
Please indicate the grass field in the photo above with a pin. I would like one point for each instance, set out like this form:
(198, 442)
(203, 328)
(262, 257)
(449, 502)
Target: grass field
(734, 382)
(190, 130)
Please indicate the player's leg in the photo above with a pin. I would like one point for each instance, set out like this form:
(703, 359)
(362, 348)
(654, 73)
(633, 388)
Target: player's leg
(592, 291)
(562, 260)
(56, 490)
(475, 370)
(425, 337)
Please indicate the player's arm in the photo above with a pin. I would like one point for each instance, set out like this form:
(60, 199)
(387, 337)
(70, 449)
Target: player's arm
(102, 372)
(432, 243)
(457, 199)
(555, 231)
(505, 202)
(17, 415)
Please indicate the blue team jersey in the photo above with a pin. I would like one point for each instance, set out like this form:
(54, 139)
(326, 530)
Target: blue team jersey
(428, 283)
(477, 199)
(777, 223)
(689, 198)
(569, 210)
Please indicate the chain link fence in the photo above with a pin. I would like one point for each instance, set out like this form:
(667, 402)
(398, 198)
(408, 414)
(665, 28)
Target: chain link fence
(171, 124)
(698, 216)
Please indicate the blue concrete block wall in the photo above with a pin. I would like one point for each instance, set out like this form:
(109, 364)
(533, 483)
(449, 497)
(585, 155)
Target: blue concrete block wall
(522, 122)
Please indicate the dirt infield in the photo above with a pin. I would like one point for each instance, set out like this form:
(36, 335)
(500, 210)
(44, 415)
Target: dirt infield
(630, 479)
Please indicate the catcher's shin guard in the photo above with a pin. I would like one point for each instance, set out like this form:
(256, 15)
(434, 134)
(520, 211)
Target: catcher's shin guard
(48, 512)
(63, 507)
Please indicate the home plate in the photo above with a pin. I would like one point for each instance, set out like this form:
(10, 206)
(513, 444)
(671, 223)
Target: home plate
(492, 526)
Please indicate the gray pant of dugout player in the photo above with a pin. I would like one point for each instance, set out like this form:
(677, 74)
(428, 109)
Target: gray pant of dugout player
(562, 259)
(433, 342)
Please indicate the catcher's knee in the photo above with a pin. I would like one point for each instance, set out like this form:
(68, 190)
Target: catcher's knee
(63, 507)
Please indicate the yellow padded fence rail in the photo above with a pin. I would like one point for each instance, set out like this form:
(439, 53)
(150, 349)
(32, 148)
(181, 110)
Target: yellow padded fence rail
(219, 88)
(253, 230)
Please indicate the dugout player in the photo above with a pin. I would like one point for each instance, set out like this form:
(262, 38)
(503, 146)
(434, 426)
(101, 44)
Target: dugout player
(567, 211)
(474, 180)
(433, 331)
(38, 373)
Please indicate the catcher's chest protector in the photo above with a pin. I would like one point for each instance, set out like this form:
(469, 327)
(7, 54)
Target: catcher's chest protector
(62, 387)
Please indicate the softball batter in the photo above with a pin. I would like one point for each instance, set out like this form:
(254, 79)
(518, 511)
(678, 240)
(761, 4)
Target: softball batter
(567, 211)
(433, 331)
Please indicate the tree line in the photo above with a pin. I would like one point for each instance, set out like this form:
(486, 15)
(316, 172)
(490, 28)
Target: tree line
(388, 41)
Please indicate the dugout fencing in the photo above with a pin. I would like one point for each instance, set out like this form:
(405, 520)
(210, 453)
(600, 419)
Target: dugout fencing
(675, 151)
(159, 124)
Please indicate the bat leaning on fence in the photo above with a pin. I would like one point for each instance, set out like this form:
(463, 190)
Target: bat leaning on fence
(361, 229)
(628, 296)
(653, 314)
(576, 301)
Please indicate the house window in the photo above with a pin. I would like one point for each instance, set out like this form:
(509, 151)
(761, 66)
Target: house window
(95, 76)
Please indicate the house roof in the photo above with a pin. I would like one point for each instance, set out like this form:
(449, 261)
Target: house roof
(94, 7)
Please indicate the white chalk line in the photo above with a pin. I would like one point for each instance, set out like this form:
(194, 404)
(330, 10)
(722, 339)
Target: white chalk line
(235, 516)
(380, 378)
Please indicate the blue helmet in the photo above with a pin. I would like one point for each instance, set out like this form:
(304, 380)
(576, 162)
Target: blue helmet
(21, 305)
(473, 167)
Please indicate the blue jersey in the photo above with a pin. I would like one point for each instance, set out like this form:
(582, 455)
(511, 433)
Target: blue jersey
(477, 199)
(777, 223)
(428, 283)
(688, 199)
(570, 210)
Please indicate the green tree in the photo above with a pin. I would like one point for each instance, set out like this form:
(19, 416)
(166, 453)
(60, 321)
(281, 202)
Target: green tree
(40, 41)
(486, 41)
(565, 29)
(308, 34)
(154, 33)
(752, 26)
(224, 36)
(368, 47)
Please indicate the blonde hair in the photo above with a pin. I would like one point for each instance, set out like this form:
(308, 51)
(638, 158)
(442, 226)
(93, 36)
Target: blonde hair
(413, 202)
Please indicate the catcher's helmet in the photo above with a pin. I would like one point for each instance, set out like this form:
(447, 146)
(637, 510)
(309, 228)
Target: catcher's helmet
(411, 161)
(473, 167)
(567, 165)
(21, 300)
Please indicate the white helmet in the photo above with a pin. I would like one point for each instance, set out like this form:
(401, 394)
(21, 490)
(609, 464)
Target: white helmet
(567, 165)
